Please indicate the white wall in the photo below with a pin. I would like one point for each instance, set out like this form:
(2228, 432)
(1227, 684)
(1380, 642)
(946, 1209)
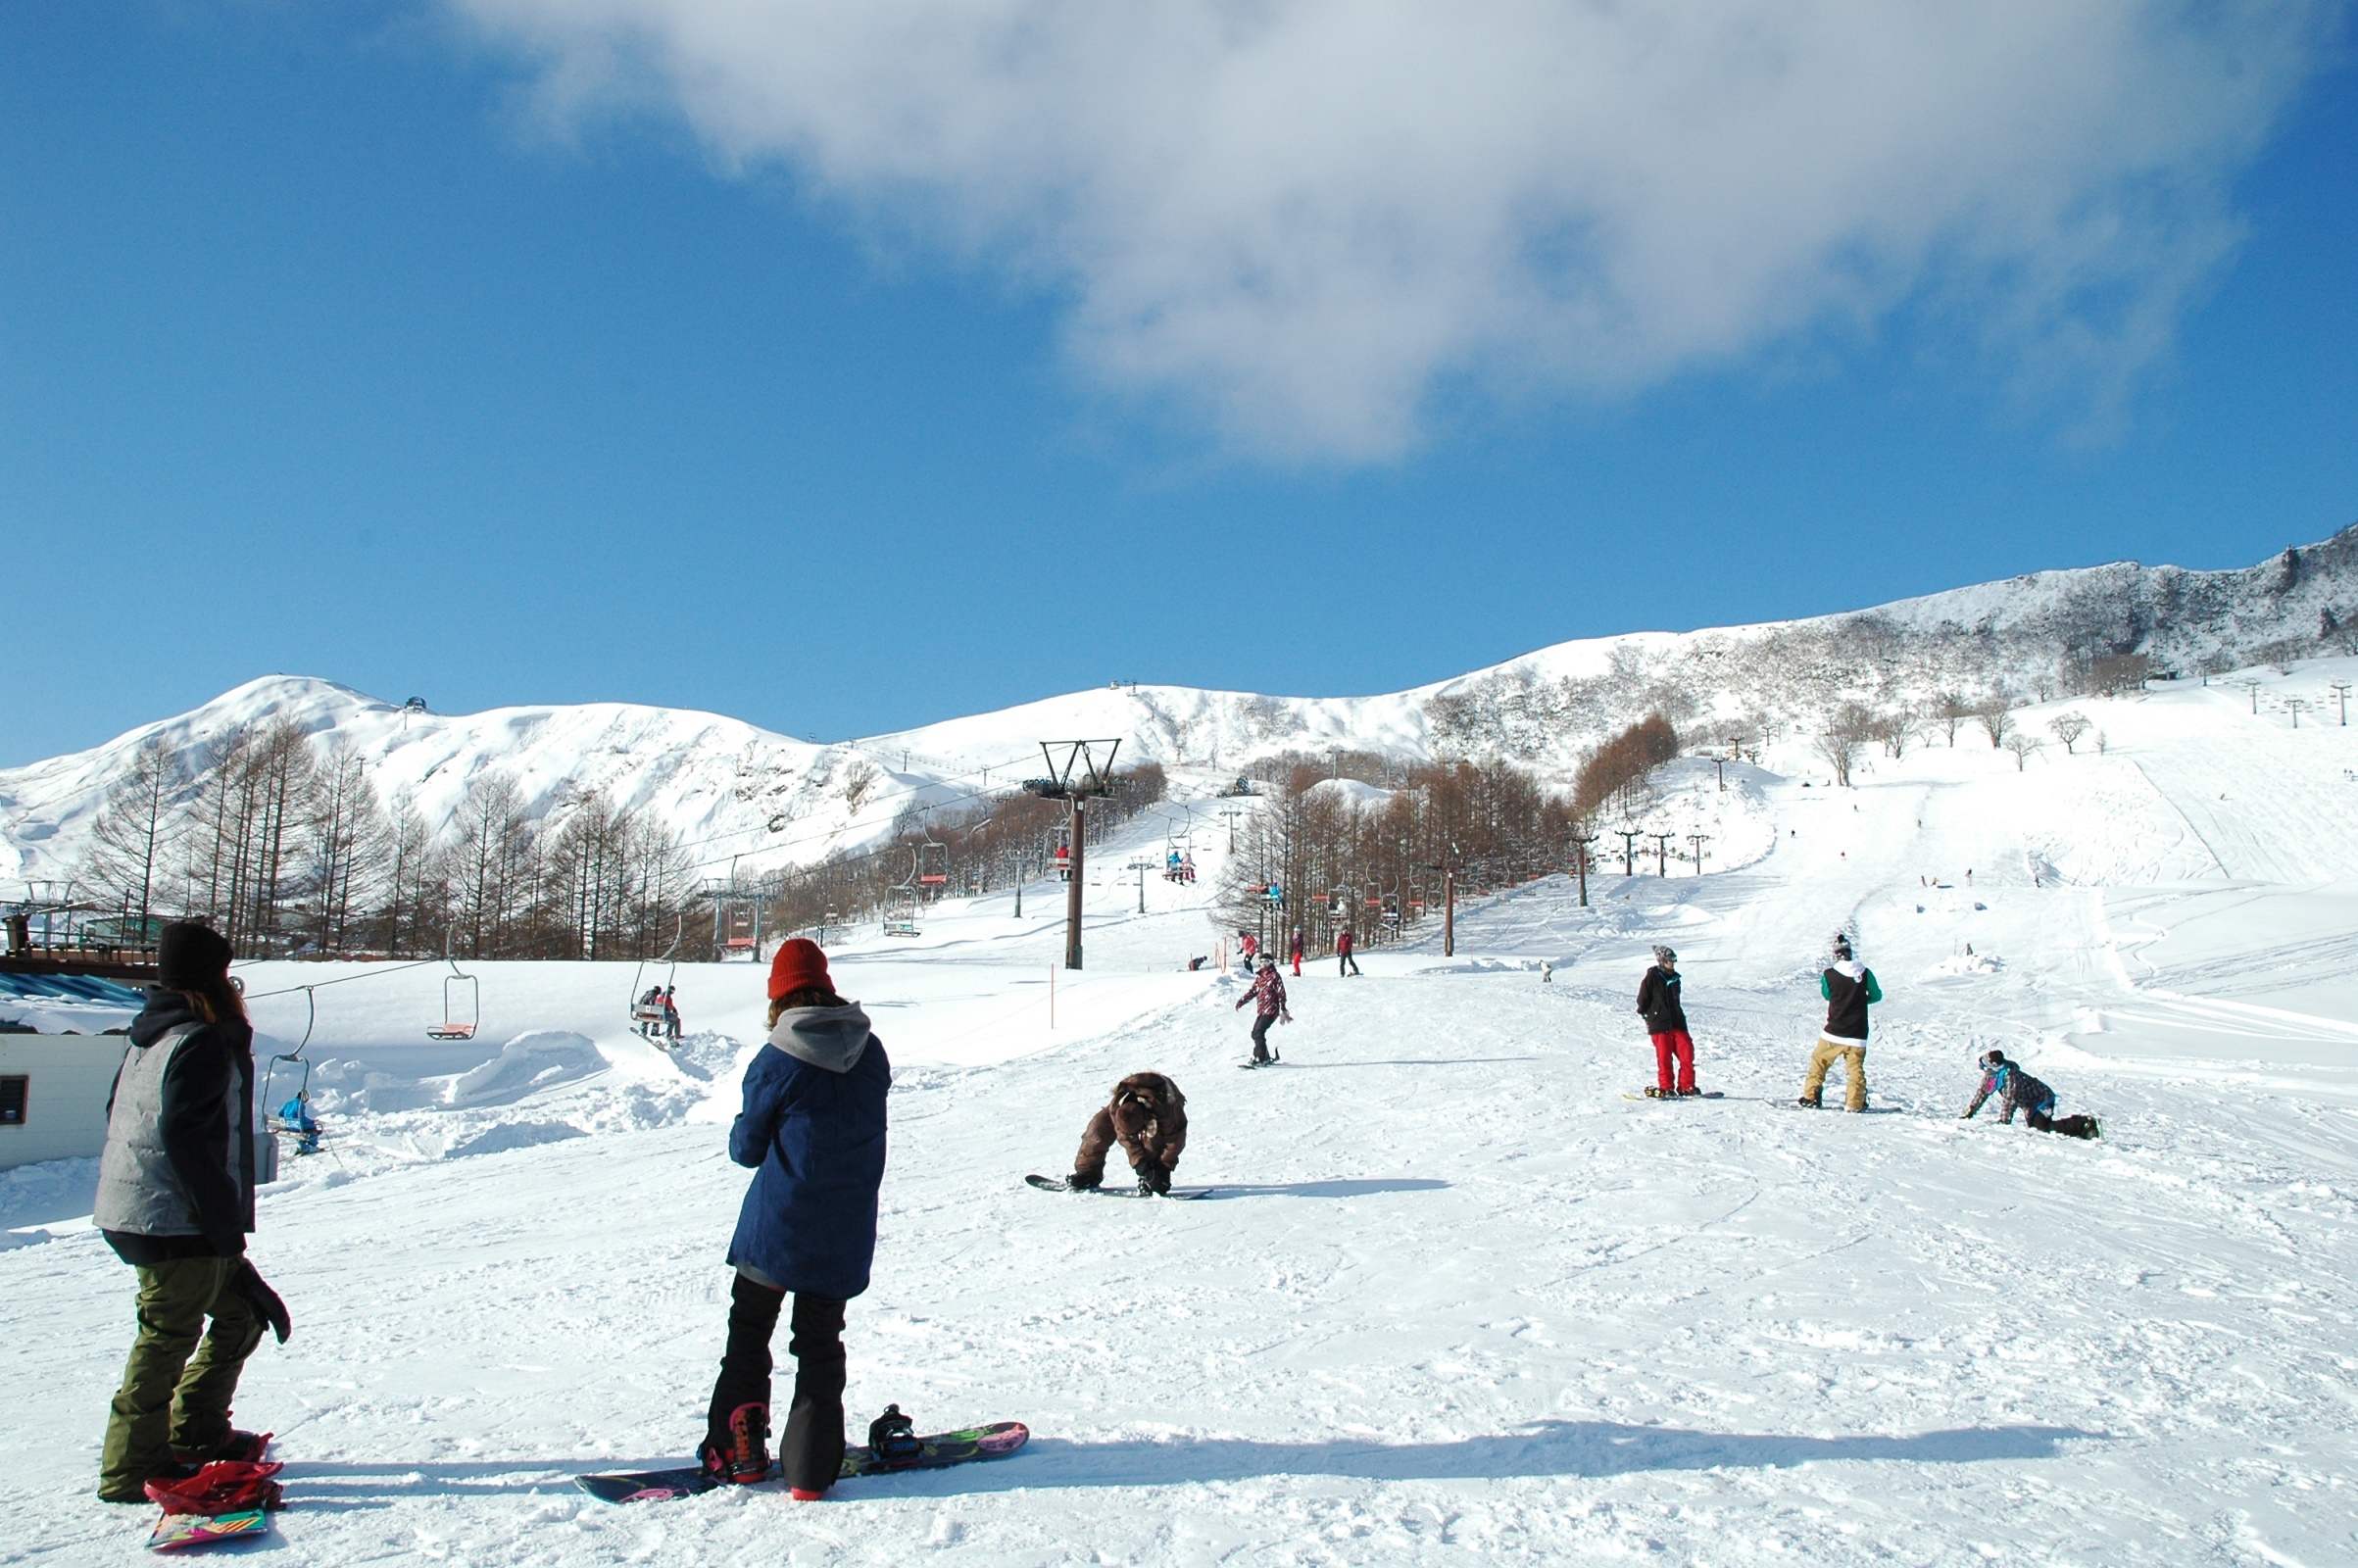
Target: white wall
(66, 1101)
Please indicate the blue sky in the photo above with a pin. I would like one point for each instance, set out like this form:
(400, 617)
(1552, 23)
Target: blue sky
(337, 340)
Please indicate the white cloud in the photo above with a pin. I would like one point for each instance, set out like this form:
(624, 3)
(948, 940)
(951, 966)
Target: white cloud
(1298, 215)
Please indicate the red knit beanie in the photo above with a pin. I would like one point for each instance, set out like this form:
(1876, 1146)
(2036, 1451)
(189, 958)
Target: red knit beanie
(799, 967)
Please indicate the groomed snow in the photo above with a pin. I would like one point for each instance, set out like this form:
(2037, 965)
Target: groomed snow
(1454, 1297)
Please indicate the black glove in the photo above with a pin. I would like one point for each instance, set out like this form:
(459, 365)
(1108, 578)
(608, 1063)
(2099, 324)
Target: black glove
(261, 1299)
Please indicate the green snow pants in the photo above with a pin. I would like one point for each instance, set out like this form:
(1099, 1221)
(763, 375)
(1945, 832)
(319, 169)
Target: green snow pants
(168, 1401)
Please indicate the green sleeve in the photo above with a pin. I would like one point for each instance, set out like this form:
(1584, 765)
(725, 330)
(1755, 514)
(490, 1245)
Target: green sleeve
(1873, 991)
(1825, 985)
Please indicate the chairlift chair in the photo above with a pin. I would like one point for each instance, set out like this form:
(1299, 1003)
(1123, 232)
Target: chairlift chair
(462, 1006)
(650, 1019)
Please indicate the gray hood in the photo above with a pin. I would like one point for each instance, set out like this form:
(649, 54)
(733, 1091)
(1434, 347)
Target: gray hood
(825, 1037)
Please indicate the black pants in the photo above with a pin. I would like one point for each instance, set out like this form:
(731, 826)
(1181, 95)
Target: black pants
(810, 1446)
(1345, 965)
(2069, 1126)
(1260, 1036)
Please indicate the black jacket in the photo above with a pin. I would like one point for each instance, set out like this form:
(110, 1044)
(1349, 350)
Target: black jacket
(1658, 1000)
(204, 1071)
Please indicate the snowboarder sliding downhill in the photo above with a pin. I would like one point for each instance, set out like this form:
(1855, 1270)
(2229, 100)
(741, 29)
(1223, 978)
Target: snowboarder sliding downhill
(1666, 1021)
(2017, 1090)
(1848, 987)
(1147, 1118)
(814, 1127)
(1269, 993)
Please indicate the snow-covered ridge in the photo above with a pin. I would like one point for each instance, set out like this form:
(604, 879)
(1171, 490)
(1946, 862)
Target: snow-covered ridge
(735, 792)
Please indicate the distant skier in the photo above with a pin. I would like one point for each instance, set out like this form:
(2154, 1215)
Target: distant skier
(1848, 987)
(1269, 992)
(1666, 1021)
(2017, 1090)
(296, 1118)
(1250, 944)
(1294, 952)
(1345, 964)
(1147, 1118)
(814, 1127)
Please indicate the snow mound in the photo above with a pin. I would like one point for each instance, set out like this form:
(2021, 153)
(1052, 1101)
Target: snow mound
(1964, 963)
(541, 1059)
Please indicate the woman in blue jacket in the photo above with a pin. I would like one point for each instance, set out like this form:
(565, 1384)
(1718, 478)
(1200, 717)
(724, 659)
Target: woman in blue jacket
(813, 1127)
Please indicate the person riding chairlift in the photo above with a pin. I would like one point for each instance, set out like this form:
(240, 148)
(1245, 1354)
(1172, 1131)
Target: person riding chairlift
(670, 1015)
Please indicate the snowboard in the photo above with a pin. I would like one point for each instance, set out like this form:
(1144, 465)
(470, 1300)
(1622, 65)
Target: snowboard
(1057, 1184)
(1273, 1061)
(1708, 1094)
(1831, 1108)
(994, 1442)
(176, 1531)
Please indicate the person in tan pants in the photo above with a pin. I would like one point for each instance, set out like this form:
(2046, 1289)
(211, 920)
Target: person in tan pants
(1848, 987)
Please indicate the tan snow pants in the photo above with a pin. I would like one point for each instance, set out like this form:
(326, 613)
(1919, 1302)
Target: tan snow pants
(1854, 1065)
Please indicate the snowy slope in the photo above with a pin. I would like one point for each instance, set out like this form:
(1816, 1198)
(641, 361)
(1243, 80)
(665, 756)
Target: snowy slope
(738, 794)
(1455, 1298)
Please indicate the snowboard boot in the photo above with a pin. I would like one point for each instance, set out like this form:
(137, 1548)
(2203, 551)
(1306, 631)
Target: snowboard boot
(1658, 1094)
(1154, 1181)
(1810, 1103)
(892, 1437)
(1690, 1093)
(1084, 1184)
(744, 1459)
(245, 1447)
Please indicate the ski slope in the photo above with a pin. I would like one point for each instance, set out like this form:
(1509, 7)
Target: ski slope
(1455, 1298)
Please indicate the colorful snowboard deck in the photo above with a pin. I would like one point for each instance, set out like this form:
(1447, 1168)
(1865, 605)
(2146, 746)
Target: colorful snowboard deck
(942, 1448)
(176, 1532)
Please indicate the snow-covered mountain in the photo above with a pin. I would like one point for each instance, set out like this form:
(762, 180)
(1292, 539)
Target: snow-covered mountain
(735, 793)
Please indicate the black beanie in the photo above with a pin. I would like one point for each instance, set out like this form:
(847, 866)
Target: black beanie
(191, 957)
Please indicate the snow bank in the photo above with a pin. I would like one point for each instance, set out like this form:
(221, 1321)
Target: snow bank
(529, 1062)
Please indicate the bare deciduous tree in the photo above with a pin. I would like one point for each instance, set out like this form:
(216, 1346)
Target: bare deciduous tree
(1996, 714)
(2067, 728)
(2024, 747)
(1952, 710)
(128, 841)
(1840, 738)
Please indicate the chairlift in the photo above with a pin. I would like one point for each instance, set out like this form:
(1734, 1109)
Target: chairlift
(901, 904)
(740, 929)
(298, 1067)
(461, 1002)
(651, 1018)
(932, 867)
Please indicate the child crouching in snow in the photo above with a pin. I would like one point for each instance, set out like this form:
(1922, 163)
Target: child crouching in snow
(814, 1127)
(2017, 1090)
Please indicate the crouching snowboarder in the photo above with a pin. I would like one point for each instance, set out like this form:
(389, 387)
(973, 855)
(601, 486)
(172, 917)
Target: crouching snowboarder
(1848, 987)
(814, 1127)
(2017, 1090)
(1147, 1118)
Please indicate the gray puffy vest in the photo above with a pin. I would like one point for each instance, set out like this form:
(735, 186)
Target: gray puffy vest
(138, 1190)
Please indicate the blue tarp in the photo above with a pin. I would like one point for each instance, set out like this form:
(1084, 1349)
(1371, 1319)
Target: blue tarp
(73, 988)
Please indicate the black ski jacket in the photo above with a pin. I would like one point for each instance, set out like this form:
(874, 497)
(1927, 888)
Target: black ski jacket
(1658, 1001)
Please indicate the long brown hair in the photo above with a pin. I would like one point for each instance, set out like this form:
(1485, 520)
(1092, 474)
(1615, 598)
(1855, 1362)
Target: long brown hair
(218, 1002)
(808, 997)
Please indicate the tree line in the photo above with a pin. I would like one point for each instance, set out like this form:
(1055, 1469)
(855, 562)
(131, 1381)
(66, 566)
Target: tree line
(289, 849)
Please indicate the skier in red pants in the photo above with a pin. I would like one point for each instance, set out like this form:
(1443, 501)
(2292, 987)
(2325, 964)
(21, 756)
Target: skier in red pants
(1293, 951)
(1666, 1021)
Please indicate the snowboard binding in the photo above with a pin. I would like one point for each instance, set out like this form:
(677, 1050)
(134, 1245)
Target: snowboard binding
(892, 1437)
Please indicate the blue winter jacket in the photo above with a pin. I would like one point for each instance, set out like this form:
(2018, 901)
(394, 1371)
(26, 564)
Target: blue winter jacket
(814, 1127)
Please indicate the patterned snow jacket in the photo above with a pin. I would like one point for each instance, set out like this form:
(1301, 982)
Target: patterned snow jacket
(1270, 992)
(2016, 1090)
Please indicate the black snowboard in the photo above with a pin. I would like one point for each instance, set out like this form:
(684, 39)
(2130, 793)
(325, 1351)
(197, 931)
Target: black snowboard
(994, 1442)
(1832, 1109)
(1708, 1094)
(1057, 1184)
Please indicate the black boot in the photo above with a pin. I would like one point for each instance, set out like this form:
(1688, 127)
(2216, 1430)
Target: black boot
(810, 1448)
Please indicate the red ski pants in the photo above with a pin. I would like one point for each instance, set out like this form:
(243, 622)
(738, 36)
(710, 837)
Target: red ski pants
(1675, 1044)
